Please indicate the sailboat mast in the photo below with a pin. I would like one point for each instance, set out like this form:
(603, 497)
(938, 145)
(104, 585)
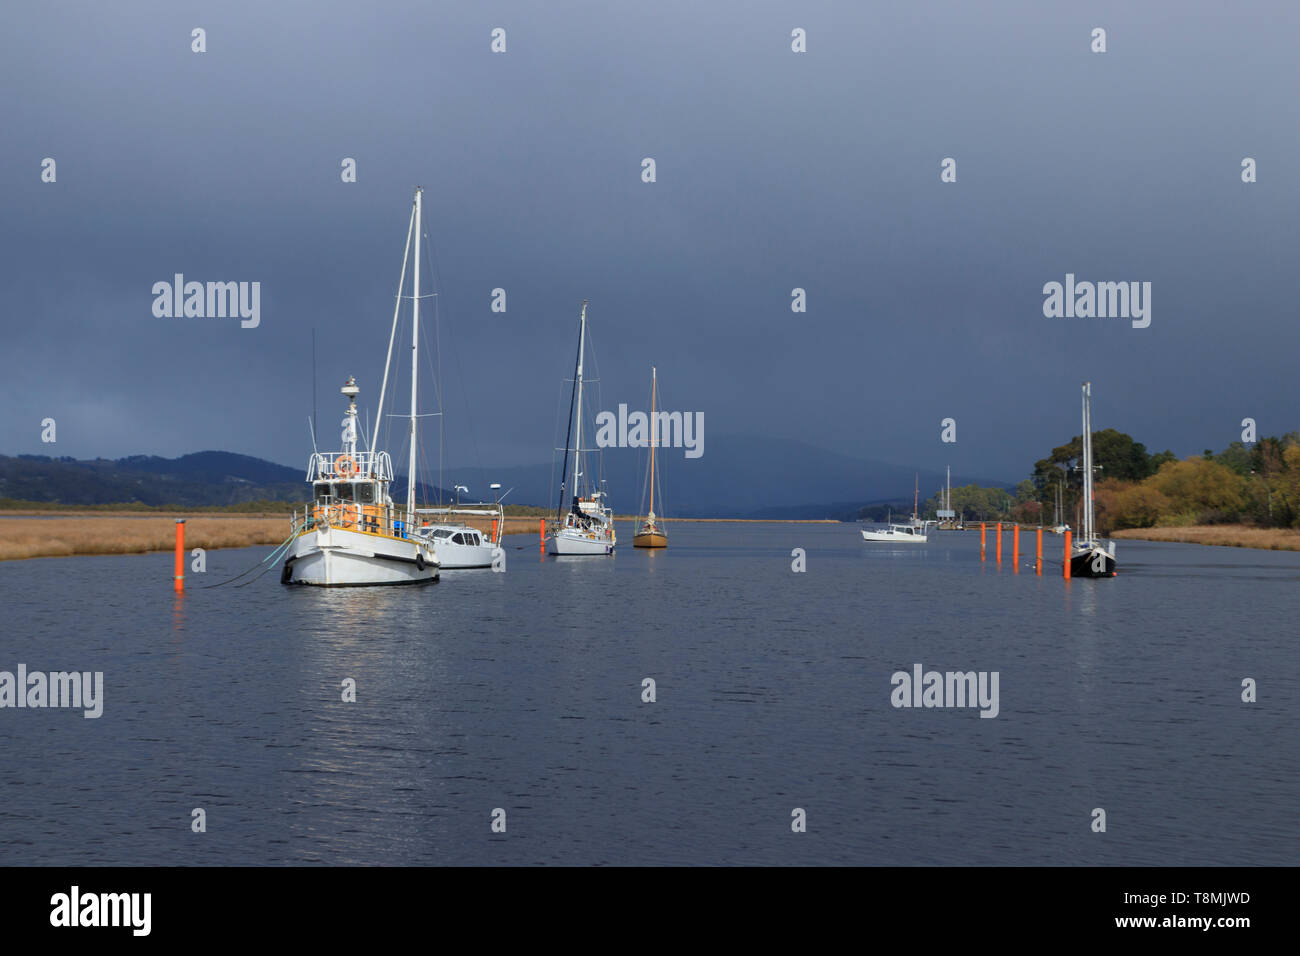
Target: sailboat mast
(916, 495)
(577, 446)
(392, 335)
(654, 382)
(1087, 462)
(415, 356)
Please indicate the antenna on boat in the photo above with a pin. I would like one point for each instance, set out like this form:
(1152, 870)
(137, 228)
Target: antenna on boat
(313, 377)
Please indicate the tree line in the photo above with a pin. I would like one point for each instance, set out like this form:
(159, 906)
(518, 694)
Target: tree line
(1256, 483)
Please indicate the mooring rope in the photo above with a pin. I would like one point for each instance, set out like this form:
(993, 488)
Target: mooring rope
(272, 557)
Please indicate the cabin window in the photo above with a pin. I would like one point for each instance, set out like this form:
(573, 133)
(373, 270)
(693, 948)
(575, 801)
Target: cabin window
(343, 491)
(457, 539)
(472, 539)
(322, 490)
(366, 493)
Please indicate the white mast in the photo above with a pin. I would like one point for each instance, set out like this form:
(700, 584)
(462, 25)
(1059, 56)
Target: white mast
(397, 309)
(577, 447)
(1087, 462)
(654, 393)
(415, 364)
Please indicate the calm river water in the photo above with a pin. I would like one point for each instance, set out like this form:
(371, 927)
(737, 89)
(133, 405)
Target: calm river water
(523, 691)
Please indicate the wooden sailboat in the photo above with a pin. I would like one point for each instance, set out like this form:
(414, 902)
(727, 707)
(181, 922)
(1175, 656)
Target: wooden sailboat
(649, 533)
(1090, 558)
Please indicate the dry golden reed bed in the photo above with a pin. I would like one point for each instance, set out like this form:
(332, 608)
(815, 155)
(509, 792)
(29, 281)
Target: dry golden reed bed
(61, 537)
(1227, 535)
(30, 537)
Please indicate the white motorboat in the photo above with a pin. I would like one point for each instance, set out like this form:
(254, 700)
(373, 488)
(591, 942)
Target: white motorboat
(460, 545)
(899, 534)
(914, 532)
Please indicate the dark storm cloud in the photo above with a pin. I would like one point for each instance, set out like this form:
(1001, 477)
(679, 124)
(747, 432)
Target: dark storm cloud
(775, 171)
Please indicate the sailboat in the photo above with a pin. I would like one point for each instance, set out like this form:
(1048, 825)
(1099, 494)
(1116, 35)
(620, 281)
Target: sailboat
(649, 534)
(948, 518)
(1090, 559)
(1059, 528)
(352, 534)
(587, 527)
(914, 532)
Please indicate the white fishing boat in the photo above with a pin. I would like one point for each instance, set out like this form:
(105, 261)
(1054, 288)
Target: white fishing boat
(587, 526)
(352, 534)
(1090, 558)
(914, 532)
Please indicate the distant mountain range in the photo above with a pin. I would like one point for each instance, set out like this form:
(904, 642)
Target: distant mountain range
(739, 476)
(205, 478)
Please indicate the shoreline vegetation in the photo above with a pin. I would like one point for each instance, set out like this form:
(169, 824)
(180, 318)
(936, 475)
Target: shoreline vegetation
(1246, 496)
(72, 532)
(1222, 535)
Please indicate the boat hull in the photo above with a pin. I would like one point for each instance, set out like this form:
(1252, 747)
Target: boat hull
(650, 539)
(338, 558)
(892, 538)
(1092, 563)
(579, 543)
(456, 557)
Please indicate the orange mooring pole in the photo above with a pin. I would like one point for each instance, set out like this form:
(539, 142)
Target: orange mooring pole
(999, 542)
(541, 538)
(1038, 560)
(1066, 562)
(494, 531)
(1015, 547)
(981, 540)
(179, 579)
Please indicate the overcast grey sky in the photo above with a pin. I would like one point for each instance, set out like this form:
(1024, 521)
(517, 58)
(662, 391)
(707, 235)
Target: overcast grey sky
(775, 170)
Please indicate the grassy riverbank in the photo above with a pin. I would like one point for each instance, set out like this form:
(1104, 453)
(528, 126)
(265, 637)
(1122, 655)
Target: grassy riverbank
(65, 534)
(1225, 535)
(120, 534)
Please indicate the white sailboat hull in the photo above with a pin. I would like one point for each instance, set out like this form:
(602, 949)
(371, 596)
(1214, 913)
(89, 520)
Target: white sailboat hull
(338, 558)
(578, 542)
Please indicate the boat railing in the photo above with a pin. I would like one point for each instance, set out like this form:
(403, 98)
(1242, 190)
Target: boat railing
(352, 515)
(481, 508)
(336, 464)
(478, 509)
